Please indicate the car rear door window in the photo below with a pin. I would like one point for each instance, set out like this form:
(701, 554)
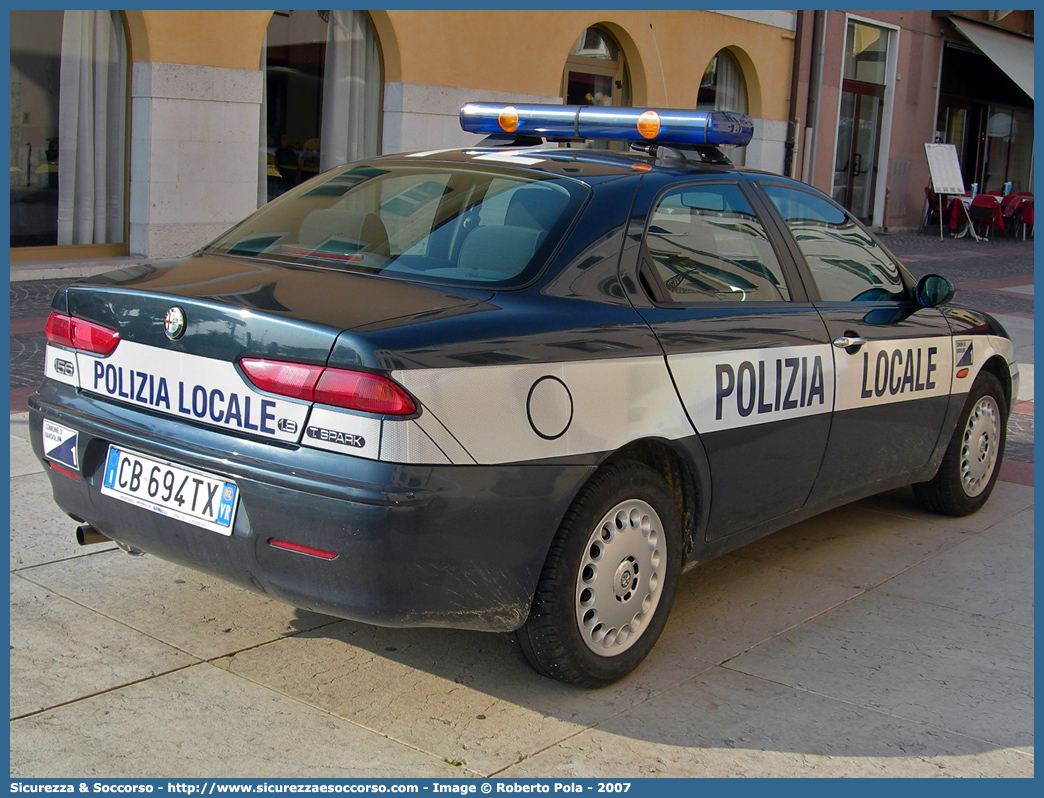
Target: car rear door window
(706, 244)
(843, 259)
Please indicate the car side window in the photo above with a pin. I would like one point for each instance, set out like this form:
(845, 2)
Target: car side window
(705, 243)
(845, 262)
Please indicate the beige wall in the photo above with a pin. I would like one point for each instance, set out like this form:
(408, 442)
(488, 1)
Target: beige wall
(519, 51)
(196, 91)
(434, 61)
(525, 51)
(230, 39)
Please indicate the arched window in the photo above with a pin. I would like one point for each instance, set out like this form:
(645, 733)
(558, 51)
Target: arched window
(723, 88)
(596, 71)
(321, 104)
(68, 128)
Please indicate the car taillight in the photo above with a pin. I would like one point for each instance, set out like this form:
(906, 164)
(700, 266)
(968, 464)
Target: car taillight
(353, 390)
(80, 334)
(361, 391)
(286, 379)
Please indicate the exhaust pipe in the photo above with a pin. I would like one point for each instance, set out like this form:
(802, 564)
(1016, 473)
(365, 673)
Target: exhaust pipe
(87, 535)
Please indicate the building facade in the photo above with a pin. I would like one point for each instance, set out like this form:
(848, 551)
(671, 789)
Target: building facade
(147, 133)
(872, 87)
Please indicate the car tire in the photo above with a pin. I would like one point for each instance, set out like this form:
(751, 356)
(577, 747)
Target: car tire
(970, 468)
(609, 580)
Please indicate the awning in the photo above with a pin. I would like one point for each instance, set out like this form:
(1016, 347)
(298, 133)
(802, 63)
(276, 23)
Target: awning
(1012, 53)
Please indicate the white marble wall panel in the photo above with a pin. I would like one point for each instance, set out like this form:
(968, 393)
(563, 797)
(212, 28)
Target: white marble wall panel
(420, 117)
(194, 156)
(766, 150)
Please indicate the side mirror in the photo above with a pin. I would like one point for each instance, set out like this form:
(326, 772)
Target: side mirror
(933, 291)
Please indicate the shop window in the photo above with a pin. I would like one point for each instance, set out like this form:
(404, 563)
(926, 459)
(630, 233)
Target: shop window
(723, 88)
(321, 104)
(988, 118)
(866, 53)
(596, 73)
(1003, 146)
(1018, 163)
(68, 128)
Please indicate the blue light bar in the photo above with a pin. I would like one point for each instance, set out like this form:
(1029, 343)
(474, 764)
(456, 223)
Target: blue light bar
(653, 125)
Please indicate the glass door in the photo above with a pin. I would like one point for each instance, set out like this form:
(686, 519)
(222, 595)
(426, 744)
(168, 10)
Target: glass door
(858, 134)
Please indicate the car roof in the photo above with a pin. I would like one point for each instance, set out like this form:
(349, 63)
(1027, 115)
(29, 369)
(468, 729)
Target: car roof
(581, 164)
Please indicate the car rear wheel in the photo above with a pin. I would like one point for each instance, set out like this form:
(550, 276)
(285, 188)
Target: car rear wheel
(972, 462)
(609, 580)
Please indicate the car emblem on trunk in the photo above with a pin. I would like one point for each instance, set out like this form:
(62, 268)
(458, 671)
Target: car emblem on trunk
(174, 323)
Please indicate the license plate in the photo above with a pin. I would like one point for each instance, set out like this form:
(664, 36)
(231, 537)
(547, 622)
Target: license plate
(195, 497)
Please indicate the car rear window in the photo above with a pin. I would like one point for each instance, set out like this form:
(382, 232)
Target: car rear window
(447, 224)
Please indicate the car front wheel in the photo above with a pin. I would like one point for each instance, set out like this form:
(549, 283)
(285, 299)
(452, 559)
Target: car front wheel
(609, 580)
(970, 468)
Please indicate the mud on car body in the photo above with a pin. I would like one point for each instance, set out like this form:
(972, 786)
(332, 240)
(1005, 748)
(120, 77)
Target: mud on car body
(516, 388)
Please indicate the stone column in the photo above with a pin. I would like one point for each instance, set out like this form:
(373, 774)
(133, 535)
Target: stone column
(193, 154)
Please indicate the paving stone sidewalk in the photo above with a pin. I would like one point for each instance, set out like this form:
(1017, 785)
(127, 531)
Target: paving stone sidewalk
(875, 640)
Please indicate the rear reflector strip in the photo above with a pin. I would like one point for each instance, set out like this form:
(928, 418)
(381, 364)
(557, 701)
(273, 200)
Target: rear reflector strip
(300, 548)
(64, 471)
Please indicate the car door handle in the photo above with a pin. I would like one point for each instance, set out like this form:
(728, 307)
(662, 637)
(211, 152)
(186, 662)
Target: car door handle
(848, 342)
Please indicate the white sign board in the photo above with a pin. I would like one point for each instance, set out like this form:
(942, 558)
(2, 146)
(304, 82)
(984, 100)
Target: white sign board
(944, 168)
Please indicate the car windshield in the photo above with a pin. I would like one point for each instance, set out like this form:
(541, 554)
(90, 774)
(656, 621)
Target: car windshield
(442, 224)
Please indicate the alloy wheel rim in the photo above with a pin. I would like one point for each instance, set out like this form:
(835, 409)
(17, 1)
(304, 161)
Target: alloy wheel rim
(979, 446)
(620, 579)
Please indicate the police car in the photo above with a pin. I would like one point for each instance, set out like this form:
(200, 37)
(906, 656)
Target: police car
(516, 387)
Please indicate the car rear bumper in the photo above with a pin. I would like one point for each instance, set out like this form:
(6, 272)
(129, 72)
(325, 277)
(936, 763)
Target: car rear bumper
(453, 546)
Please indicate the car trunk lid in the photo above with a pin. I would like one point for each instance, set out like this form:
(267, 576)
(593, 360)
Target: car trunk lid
(185, 328)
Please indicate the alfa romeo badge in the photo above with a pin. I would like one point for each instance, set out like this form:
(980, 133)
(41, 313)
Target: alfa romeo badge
(174, 323)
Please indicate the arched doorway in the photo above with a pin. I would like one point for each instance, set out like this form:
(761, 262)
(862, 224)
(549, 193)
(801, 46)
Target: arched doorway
(321, 104)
